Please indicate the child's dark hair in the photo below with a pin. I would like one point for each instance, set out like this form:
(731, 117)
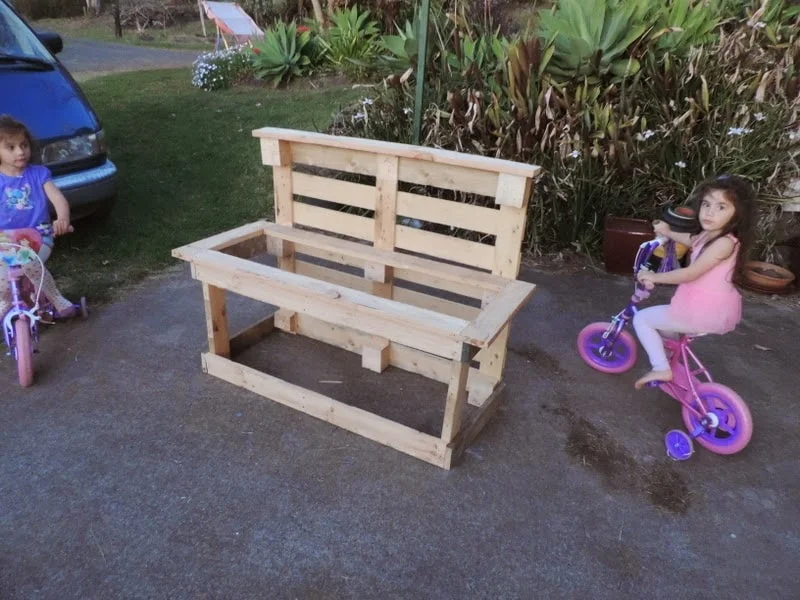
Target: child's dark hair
(740, 193)
(10, 127)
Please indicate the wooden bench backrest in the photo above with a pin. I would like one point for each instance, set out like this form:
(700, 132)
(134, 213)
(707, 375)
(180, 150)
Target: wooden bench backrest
(509, 183)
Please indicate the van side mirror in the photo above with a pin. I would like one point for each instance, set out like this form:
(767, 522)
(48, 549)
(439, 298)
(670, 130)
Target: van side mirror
(52, 40)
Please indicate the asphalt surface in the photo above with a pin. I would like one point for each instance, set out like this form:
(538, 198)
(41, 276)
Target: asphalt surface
(125, 472)
(88, 57)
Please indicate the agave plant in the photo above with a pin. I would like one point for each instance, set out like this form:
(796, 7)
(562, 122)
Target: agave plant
(594, 37)
(280, 55)
(402, 48)
(682, 24)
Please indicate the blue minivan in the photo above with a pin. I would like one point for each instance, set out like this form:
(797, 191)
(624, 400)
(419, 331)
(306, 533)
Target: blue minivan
(36, 89)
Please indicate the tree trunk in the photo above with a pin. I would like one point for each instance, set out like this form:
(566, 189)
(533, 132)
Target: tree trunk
(117, 22)
(318, 15)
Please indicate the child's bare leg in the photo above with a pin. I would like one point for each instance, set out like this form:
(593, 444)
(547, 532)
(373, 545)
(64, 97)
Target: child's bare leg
(5, 291)
(33, 270)
(648, 323)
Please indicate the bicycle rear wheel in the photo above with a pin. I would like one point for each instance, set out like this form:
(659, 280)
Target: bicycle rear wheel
(23, 349)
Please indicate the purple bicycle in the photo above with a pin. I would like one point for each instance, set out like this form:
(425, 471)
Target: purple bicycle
(20, 323)
(715, 415)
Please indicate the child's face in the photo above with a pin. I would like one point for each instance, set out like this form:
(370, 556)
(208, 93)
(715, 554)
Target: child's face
(716, 211)
(15, 151)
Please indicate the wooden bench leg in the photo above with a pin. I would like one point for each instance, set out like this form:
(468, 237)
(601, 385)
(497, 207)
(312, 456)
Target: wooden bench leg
(375, 354)
(493, 357)
(216, 320)
(456, 394)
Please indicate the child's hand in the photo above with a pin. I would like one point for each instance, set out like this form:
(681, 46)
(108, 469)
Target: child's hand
(661, 228)
(61, 226)
(647, 279)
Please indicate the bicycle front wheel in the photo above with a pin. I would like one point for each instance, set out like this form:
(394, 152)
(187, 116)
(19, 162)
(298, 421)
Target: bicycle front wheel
(23, 349)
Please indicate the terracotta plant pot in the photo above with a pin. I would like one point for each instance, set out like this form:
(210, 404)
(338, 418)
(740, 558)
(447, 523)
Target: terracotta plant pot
(621, 240)
(766, 277)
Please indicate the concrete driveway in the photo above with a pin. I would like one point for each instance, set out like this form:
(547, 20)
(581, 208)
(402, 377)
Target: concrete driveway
(125, 472)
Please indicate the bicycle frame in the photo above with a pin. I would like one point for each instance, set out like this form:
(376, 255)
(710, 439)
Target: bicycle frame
(19, 310)
(686, 366)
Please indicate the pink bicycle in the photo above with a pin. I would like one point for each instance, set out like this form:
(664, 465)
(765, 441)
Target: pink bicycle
(20, 323)
(714, 414)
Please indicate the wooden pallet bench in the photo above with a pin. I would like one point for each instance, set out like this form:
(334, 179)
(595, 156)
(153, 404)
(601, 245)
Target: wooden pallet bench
(365, 280)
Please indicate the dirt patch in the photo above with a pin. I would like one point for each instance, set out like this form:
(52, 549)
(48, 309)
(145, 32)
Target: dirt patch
(593, 447)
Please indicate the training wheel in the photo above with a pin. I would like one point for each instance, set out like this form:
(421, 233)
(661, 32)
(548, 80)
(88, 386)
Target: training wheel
(679, 445)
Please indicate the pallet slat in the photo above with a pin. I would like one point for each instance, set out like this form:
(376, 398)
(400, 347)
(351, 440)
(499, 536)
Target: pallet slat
(340, 159)
(425, 266)
(335, 221)
(334, 190)
(446, 247)
(448, 212)
(379, 429)
(451, 177)
(367, 146)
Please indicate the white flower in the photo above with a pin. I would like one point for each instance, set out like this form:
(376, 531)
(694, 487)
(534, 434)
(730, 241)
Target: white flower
(680, 164)
(739, 130)
(575, 154)
(759, 25)
(407, 111)
(359, 116)
(759, 116)
(645, 135)
(367, 101)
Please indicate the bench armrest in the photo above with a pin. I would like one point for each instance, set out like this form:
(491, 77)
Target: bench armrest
(497, 313)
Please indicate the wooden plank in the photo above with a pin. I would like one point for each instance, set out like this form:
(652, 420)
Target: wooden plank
(216, 320)
(286, 320)
(448, 212)
(456, 400)
(435, 155)
(446, 247)
(356, 420)
(249, 336)
(386, 209)
(462, 287)
(247, 248)
(473, 427)
(498, 313)
(452, 273)
(334, 221)
(282, 185)
(341, 159)
(416, 327)
(330, 256)
(334, 190)
(512, 190)
(451, 177)
(418, 299)
(375, 355)
(275, 152)
(508, 244)
(401, 357)
(222, 240)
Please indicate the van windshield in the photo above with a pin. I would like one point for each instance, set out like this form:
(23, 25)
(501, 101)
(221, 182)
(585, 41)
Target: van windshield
(17, 40)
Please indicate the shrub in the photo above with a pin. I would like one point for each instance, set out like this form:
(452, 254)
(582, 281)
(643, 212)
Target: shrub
(283, 53)
(352, 41)
(221, 69)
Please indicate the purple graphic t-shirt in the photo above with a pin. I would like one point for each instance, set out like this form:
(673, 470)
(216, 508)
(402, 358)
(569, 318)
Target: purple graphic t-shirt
(23, 202)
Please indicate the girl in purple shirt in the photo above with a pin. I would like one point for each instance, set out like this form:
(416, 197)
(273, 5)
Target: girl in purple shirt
(25, 190)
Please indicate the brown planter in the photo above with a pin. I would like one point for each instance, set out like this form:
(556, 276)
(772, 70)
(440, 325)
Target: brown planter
(766, 277)
(621, 240)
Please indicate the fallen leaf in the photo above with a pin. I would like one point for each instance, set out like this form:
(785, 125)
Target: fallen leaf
(764, 348)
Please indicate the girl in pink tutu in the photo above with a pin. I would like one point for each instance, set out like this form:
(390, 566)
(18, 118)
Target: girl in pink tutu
(706, 300)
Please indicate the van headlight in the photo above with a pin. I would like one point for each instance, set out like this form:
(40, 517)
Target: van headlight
(74, 148)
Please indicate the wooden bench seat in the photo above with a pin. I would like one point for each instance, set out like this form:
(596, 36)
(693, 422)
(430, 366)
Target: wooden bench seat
(391, 292)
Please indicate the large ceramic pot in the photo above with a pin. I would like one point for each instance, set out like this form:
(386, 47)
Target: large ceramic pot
(766, 278)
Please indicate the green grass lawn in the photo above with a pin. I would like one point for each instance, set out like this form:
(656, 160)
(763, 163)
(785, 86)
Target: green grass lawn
(184, 35)
(188, 167)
